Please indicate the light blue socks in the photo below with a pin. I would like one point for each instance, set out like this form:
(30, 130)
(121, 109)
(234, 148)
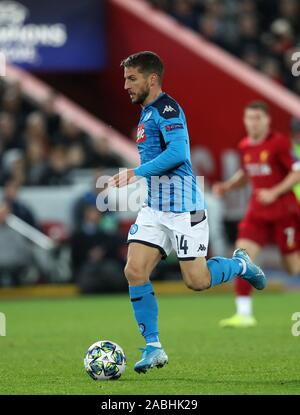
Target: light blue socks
(145, 309)
(144, 302)
(224, 269)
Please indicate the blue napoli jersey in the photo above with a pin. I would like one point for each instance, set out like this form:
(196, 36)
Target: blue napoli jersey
(164, 147)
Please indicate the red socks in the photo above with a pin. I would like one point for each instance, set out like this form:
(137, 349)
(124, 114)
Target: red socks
(242, 287)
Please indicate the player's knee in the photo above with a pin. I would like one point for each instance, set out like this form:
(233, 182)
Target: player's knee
(197, 282)
(197, 285)
(134, 273)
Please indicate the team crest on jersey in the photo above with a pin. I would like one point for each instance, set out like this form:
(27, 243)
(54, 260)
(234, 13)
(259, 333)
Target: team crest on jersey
(264, 155)
(147, 116)
(133, 229)
(141, 135)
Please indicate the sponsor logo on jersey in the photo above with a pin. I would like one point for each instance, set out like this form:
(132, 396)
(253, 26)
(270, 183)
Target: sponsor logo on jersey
(173, 127)
(141, 135)
(257, 169)
(168, 108)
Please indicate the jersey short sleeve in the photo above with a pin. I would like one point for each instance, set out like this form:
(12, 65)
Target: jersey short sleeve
(284, 152)
(242, 146)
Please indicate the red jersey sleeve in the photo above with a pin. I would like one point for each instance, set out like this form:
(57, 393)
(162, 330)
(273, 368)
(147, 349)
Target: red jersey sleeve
(241, 148)
(284, 152)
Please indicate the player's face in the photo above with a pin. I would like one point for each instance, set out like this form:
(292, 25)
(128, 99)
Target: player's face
(257, 122)
(137, 85)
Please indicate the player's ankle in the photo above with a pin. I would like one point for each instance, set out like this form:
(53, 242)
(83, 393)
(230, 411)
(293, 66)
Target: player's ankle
(154, 344)
(243, 265)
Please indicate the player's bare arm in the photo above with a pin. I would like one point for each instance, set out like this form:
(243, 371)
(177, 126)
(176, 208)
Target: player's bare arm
(267, 196)
(239, 179)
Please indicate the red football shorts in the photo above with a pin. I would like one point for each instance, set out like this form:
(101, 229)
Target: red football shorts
(285, 232)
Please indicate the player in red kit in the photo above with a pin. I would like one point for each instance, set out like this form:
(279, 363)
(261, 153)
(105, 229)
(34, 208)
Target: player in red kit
(273, 214)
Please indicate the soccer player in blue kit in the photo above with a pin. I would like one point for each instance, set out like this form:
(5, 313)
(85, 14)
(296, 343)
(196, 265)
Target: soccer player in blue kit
(174, 219)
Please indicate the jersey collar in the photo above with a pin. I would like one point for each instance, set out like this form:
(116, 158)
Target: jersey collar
(162, 94)
(254, 143)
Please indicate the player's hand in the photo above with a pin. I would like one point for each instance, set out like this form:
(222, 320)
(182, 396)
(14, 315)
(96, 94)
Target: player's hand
(123, 178)
(266, 196)
(219, 188)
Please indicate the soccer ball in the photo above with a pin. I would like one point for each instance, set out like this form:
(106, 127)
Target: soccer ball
(105, 360)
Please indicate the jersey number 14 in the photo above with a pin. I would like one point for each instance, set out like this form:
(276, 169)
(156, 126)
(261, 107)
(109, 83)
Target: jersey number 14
(181, 245)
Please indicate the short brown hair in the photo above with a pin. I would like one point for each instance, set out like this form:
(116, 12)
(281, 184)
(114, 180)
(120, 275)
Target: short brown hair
(148, 62)
(258, 105)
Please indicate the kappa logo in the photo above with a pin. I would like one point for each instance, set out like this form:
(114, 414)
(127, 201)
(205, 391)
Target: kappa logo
(201, 248)
(168, 108)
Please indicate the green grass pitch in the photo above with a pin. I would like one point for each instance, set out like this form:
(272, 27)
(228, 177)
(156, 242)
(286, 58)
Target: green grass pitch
(46, 340)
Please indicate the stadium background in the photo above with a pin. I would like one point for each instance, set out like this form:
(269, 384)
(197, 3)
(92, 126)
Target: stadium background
(65, 119)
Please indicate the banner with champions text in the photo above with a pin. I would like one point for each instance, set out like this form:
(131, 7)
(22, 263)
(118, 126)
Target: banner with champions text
(53, 35)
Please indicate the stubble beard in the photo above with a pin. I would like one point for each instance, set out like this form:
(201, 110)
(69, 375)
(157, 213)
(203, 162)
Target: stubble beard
(141, 97)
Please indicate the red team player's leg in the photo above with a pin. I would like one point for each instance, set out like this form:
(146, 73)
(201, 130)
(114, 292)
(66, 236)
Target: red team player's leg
(242, 287)
(287, 238)
(243, 300)
(253, 235)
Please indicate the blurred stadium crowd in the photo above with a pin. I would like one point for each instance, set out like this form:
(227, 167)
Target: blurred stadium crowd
(263, 33)
(39, 147)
